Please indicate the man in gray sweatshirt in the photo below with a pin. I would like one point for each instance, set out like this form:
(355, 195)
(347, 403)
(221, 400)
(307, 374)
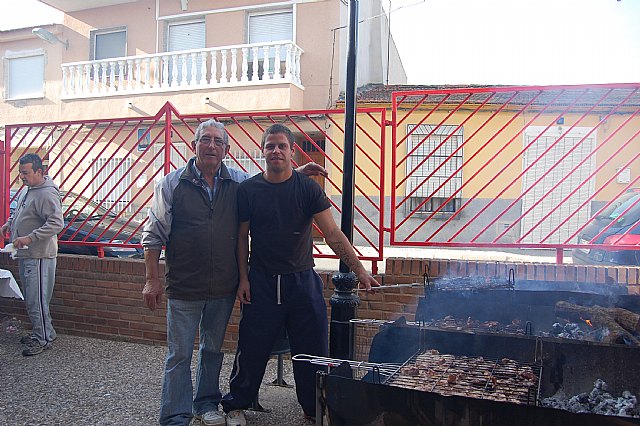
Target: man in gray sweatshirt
(34, 227)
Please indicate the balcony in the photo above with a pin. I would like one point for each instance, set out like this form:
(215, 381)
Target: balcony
(210, 68)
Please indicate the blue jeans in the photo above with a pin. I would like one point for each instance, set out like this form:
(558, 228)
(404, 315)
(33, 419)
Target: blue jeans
(38, 277)
(179, 403)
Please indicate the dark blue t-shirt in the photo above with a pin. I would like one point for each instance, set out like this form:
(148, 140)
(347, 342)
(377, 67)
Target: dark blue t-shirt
(281, 216)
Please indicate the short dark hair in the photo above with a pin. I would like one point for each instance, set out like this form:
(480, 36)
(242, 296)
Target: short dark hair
(34, 159)
(212, 123)
(278, 129)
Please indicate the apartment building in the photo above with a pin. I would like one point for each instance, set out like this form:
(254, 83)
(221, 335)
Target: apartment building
(120, 58)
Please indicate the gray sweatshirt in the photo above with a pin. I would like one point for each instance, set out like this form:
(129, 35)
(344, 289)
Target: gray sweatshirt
(38, 215)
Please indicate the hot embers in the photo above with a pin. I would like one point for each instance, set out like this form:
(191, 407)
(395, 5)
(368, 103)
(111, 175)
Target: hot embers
(598, 401)
(475, 377)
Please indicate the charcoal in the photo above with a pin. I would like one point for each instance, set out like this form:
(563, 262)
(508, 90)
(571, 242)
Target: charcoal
(556, 328)
(598, 401)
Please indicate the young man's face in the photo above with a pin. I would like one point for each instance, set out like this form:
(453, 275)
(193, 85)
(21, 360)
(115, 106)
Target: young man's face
(277, 152)
(30, 177)
(211, 149)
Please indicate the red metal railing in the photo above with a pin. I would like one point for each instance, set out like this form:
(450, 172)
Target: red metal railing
(106, 169)
(512, 167)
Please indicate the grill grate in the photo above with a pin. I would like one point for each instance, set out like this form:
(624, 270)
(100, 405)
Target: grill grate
(450, 322)
(474, 377)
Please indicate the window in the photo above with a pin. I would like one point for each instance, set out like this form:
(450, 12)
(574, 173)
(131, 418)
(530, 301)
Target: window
(271, 26)
(110, 43)
(112, 182)
(186, 36)
(434, 166)
(25, 75)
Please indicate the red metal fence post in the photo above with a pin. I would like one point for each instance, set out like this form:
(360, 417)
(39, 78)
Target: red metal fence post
(4, 177)
(167, 139)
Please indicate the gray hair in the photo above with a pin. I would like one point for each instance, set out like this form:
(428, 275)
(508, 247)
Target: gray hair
(212, 123)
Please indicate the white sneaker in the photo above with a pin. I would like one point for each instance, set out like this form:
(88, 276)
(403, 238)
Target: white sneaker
(236, 418)
(212, 418)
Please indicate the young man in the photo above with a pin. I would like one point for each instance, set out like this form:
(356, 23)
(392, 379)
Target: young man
(34, 227)
(281, 289)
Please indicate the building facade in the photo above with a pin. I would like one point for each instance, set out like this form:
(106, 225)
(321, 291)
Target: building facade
(115, 58)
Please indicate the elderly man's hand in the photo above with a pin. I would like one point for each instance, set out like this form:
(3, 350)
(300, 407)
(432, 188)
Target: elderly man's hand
(244, 291)
(312, 169)
(152, 293)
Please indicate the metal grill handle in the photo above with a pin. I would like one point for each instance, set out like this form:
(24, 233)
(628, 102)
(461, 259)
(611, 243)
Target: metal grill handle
(383, 368)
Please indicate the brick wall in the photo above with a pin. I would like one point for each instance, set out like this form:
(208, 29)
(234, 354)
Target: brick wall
(102, 297)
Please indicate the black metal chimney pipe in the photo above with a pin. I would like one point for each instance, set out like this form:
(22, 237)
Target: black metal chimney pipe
(343, 301)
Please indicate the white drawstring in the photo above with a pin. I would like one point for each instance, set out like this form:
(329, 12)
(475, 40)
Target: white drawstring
(278, 290)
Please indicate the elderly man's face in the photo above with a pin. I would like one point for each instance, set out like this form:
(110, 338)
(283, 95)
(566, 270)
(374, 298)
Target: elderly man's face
(210, 149)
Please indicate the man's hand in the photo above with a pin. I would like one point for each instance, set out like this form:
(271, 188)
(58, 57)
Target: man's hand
(312, 169)
(21, 242)
(367, 282)
(4, 229)
(244, 292)
(152, 293)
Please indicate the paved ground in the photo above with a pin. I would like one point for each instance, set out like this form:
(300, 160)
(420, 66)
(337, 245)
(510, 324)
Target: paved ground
(83, 381)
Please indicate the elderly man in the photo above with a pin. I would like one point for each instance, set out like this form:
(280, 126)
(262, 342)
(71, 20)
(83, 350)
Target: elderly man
(194, 214)
(281, 289)
(34, 227)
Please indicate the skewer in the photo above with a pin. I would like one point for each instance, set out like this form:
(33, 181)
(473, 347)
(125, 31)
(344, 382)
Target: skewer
(358, 365)
(384, 287)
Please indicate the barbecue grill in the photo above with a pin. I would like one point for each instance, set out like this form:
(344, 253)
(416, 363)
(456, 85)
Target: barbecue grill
(433, 385)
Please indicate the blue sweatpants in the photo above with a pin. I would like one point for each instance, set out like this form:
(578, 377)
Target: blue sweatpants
(294, 301)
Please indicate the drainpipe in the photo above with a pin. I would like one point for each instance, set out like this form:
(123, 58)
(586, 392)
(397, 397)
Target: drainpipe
(343, 301)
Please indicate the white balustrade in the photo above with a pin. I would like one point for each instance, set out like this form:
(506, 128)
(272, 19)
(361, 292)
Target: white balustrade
(203, 68)
(165, 72)
(86, 81)
(65, 81)
(245, 65)
(130, 76)
(234, 65)
(214, 68)
(254, 76)
(225, 66)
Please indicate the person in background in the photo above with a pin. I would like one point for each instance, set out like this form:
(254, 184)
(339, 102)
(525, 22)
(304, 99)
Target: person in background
(194, 215)
(280, 288)
(34, 226)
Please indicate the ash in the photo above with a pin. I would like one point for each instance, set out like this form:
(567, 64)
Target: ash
(574, 331)
(598, 401)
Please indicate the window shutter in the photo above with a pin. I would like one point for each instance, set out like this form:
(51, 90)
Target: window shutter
(186, 36)
(271, 27)
(26, 77)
